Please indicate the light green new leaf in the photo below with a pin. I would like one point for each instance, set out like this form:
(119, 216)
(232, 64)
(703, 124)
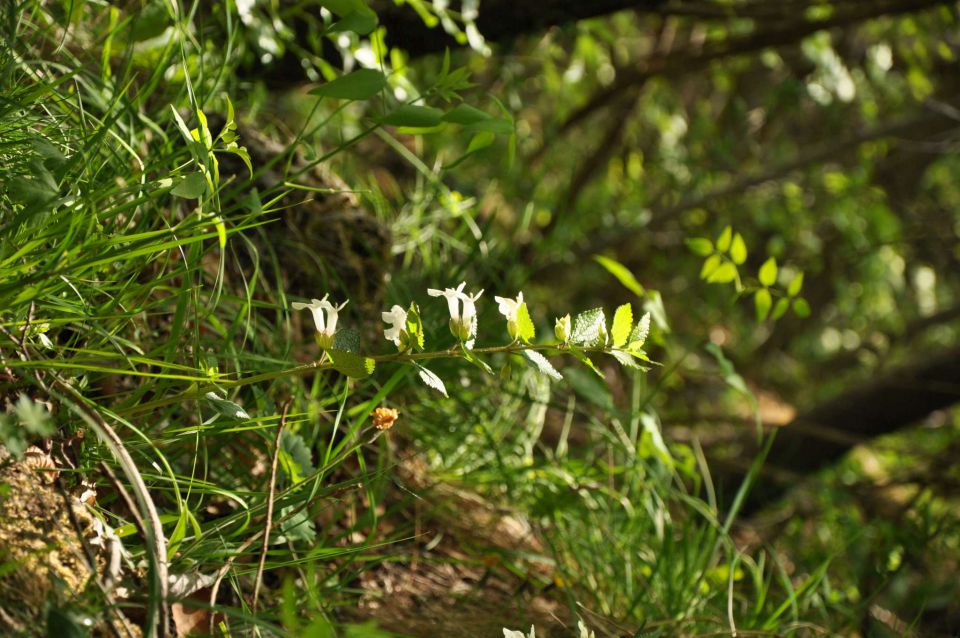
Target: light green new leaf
(781, 307)
(700, 246)
(525, 329)
(801, 307)
(726, 273)
(723, 241)
(542, 364)
(795, 285)
(359, 85)
(587, 327)
(710, 265)
(768, 272)
(622, 324)
(622, 274)
(762, 301)
(738, 250)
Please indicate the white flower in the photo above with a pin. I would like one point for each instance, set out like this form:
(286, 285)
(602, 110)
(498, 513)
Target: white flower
(397, 318)
(463, 324)
(509, 309)
(324, 316)
(512, 633)
(584, 632)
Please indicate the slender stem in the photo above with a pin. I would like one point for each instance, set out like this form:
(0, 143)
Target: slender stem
(323, 364)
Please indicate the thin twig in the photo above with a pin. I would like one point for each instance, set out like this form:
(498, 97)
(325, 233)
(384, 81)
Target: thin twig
(258, 581)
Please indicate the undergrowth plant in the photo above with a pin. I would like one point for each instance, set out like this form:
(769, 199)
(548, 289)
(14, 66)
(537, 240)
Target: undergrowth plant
(147, 345)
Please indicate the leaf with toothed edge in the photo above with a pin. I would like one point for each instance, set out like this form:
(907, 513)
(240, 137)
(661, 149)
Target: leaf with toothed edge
(432, 380)
(543, 364)
(350, 364)
(588, 326)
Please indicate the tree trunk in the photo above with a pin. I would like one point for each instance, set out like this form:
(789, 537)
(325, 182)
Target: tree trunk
(821, 436)
(498, 21)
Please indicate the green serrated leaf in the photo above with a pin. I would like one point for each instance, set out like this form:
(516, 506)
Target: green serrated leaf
(296, 527)
(347, 339)
(723, 240)
(700, 246)
(762, 301)
(781, 307)
(622, 325)
(588, 327)
(801, 307)
(542, 364)
(359, 85)
(350, 364)
(625, 359)
(295, 457)
(639, 335)
(622, 274)
(525, 329)
(738, 249)
(432, 380)
(796, 284)
(724, 274)
(768, 272)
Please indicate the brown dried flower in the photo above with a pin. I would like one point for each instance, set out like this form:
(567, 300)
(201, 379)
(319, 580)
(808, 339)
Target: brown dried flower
(384, 418)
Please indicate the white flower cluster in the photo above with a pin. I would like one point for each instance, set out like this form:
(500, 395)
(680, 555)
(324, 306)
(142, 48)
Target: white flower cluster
(462, 307)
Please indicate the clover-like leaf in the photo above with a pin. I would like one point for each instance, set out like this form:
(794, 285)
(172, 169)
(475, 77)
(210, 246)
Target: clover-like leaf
(415, 325)
(542, 364)
(295, 457)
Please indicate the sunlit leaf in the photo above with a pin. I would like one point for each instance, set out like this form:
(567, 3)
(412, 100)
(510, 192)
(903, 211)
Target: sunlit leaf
(622, 325)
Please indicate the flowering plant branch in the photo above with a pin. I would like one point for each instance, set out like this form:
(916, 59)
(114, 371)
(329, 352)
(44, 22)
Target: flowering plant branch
(580, 336)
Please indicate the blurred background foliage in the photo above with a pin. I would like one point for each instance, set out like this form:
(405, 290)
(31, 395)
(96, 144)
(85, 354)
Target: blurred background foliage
(612, 137)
